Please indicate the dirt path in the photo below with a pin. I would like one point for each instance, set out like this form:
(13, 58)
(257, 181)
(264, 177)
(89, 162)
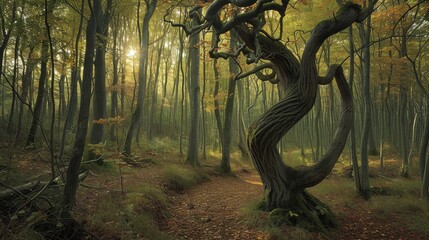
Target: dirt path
(212, 210)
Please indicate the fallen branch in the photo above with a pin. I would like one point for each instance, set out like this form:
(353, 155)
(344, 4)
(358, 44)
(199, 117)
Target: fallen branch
(11, 191)
(32, 186)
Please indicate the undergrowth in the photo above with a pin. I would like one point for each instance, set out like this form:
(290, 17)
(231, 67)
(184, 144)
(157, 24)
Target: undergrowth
(137, 215)
(403, 200)
(179, 179)
(26, 234)
(255, 218)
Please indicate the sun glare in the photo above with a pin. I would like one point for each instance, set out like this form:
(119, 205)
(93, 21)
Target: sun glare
(131, 53)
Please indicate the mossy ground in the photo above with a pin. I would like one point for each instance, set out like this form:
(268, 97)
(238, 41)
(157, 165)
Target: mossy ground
(180, 178)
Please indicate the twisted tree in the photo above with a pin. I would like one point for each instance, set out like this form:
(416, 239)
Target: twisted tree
(284, 186)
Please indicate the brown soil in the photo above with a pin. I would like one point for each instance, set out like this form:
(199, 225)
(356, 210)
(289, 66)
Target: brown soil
(213, 210)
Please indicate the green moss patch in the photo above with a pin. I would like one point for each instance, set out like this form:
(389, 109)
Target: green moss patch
(137, 215)
(179, 178)
(274, 223)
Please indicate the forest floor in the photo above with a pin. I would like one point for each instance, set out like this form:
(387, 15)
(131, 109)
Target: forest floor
(218, 207)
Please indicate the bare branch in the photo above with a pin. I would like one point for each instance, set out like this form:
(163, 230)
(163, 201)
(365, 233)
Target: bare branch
(406, 13)
(257, 70)
(254, 18)
(329, 75)
(310, 176)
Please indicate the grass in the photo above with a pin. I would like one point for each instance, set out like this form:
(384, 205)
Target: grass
(407, 206)
(137, 215)
(159, 145)
(288, 233)
(332, 186)
(294, 158)
(254, 218)
(410, 212)
(26, 234)
(403, 202)
(106, 169)
(419, 222)
(178, 178)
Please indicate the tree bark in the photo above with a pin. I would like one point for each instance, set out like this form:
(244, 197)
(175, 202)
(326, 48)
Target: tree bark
(71, 184)
(194, 96)
(164, 94)
(6, 32)
(355, 163)
(72, 106)
(40, 96)
(14, 80)
(284, 186)
(24, 96)
(367, 110)
(225, 164)
(240, 122)
(115, 81)
(216, 101)
(155, 91)
(150, 9)
(99, 101)
(403, 132)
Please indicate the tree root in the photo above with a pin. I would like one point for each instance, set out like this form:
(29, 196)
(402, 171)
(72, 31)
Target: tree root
(316, 211)
(309, 213)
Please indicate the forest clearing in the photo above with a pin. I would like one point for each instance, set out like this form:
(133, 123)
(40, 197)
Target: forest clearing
(214, 119)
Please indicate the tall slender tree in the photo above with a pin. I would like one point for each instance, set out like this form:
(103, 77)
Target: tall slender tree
(114, 111)
(143, 63)
(70, 188)
(38, 105)
(225, 165)
(353, 148)
(7, 25)
(366, 57)
(194, 96)
(99, 101)
(73, 96)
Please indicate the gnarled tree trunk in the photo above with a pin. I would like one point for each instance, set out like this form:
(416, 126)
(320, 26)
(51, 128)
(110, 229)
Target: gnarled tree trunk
(285, 186)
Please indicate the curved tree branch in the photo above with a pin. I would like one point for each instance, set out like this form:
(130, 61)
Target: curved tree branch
(262, 6)
(265, 134)
(253, 17)
(367, 11)
(257, 70)
(308, 177)
(329, 75)
(195, 29)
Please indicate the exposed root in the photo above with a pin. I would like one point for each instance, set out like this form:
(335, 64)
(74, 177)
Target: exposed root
(309, 213)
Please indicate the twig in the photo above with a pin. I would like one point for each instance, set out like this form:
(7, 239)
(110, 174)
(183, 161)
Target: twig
(99, 188)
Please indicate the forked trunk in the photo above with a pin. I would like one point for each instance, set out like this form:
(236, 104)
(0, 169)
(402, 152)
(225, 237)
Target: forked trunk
(284, 185)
